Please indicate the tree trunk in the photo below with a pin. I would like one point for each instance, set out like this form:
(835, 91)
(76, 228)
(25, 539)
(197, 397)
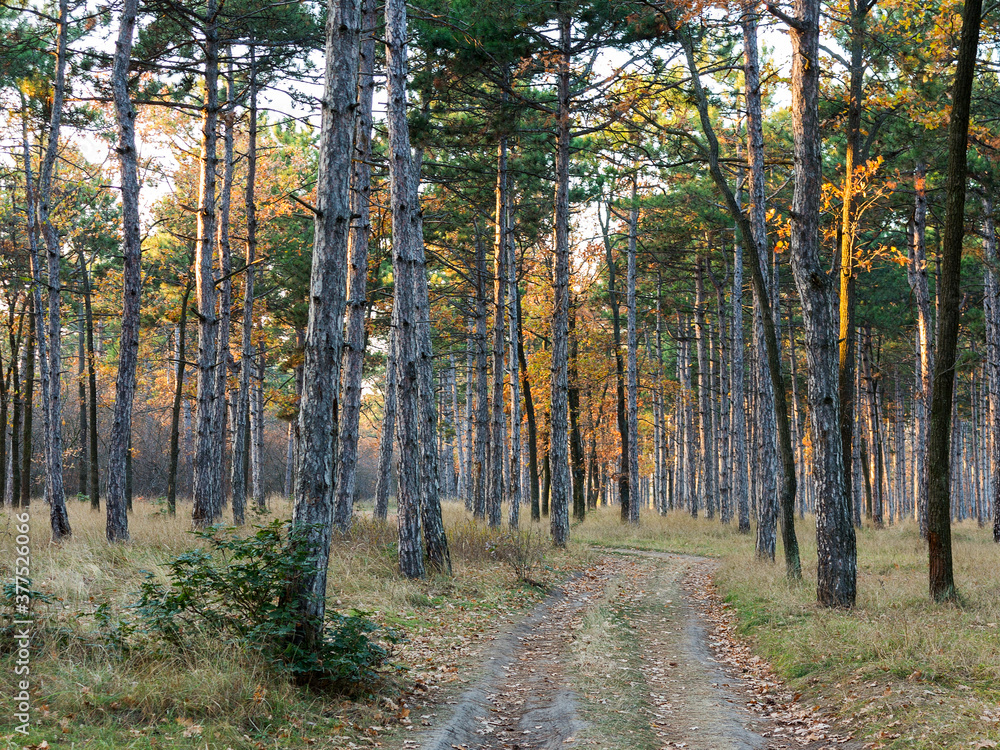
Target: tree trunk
(225, 290)
(318, 411)
(435, 539)
(388, 433)
(705, 424)
(94, 490)
(858, 11)
(241, 424)
(991, 251)
(942, 581)
(480, 469)
(28, 389)
(754, 240)
(514, 367)
(631, 343)
(529, 412)
(208, 452)
(837, 567)
(81, 402)
(575, 439)
(128, 351)
(497, 442)
(175, 411)
(257, 430)
(916, 272)
(406, 266)
(357, 304)
(559, 465)
(623, 475)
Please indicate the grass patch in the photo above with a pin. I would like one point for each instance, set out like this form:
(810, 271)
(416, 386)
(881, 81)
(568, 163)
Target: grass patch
(86, 692)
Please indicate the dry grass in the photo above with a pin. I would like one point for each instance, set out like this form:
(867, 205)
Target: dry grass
(89, 691)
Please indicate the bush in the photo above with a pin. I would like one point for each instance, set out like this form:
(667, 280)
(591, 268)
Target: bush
(521, 550)
(240, 589)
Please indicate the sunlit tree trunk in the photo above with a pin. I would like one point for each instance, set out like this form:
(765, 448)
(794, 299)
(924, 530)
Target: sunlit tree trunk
(387, 435)
(991, 300)
(175, 411)
(497, 442)
(916, 271)
(480, 468)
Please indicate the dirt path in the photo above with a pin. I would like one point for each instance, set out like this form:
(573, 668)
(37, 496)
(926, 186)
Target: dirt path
(630, 654)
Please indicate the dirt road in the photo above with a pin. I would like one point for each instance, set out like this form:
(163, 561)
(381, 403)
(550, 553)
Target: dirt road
(630, 654)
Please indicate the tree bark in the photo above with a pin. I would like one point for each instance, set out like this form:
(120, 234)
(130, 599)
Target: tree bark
(633, 370)
(94, 489)
(497, 442)
(357, 303)
(916, 272)
(575, 438)
(836, 545)
(241, 424)
(318, 411)
(705, 423)
(991, 251)
(128, 350)
(559, 465)
(175, 411)
(480, 469)
(529, 413)
(406, 265)
(28, 389)
(388, 433)
(623, 433)
(942, 580)
(208, 451)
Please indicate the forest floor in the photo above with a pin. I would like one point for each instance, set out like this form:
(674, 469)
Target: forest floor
(665, 635)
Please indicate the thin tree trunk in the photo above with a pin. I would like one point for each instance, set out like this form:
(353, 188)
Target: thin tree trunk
(916, 271)
(241, 424)
(623, 476)
(357, 304)
(992, 314)
(207, 478)
(631, 344)
(128, 351)
(558, 443)
(257, 430)
(529, 412)
(175, 411)
(225, 291)
(577, 467)
(514, 367)
(81, 401)
(705, 423)
(942, 581)
(480, 469)
(387, 435)
(496, 488)
(94, 490)
(28, 389)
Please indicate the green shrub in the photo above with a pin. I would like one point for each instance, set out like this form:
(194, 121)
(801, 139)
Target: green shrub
(240, 589)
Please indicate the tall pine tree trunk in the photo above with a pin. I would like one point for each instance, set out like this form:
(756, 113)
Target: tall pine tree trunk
(942, 581)
(991, 248)
(406, 265)
(559, 422)
(241, 424)
(318, 411)
(128, 351)
(631, 343)
(837, 567)
(357, 305)
(207, 488)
